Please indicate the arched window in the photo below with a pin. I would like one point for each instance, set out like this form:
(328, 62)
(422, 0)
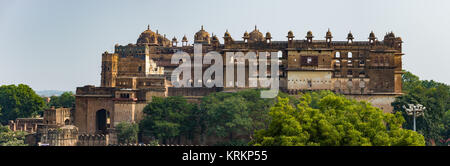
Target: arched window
(280, 54)
(350, 55)
(337, 55)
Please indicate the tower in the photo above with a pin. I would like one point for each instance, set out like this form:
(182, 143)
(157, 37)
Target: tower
(109, 69)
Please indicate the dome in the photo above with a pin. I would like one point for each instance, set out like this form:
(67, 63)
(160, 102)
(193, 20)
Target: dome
(328, 35)
(256, 35)
(227, 34)
(174, 39)
(372, 35)
(389, 35)
(147, 37)
(201, 36)
(214, 38)
(246, 35)
(290, 34)
(309, 34)
(184, 39)
(162, 39)
(350, 36)
(268, 35)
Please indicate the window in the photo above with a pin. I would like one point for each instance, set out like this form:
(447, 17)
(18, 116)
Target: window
(349, 73)
(309, 60)
(125, 95)
(350, 55)
(337, 55)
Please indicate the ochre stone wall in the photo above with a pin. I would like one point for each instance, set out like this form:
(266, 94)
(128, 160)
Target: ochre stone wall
(382, 101)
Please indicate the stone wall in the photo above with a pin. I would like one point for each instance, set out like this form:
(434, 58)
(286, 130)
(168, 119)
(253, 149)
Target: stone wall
(25, 124)
(64, 136)
(382, 101)
(96, 139)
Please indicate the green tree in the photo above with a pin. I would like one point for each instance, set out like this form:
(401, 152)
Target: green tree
(11, 138)
(446, 128)
(326, 119)
(434, 96)
(66, 100)
(231, 114)
(168, 119)
(18, 102)
(127, 132)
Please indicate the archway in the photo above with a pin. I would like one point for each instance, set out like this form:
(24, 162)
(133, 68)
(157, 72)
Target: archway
(102, 120)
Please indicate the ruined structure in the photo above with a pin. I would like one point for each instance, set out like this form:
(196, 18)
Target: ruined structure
(130, 76)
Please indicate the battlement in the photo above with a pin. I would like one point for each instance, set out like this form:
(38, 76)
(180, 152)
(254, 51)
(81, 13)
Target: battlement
(96, 139)
(90, 90)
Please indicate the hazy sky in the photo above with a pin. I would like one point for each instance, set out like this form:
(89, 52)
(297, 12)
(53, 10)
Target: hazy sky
(57, 44)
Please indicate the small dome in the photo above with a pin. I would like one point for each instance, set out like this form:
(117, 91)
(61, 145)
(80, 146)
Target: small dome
(162, 39)
(309, 34)
(290, 34)
(389, 35)
(350, 36)
(201, 36)
(246, 35)
(328, 35)
(256, 35)
(184, 39)
(227, 34)
(147, 37)
(268, 35)
(214, 38)
(372, 35)
(174, 39)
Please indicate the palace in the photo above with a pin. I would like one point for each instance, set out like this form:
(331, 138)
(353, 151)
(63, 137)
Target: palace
(368, 70)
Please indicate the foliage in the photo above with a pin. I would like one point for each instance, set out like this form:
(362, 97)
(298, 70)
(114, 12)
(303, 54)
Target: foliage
(18, 102)
(66, 100)
(127, 132)
(153, 143)
(435, 97)
(222, 114)
(11, 138)
(240, 142)
(168, 118)
(238, 113)
(326, 119)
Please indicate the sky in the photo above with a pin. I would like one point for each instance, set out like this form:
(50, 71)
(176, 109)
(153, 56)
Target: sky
(57, 44)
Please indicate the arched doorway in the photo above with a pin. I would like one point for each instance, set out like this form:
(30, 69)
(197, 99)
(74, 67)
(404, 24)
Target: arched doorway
(102, 120)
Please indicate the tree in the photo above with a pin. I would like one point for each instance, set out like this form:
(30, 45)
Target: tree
(66, 100)
(168, 119)
(11, 138)
(446, 129)
(18, 102)
(230, 114)
(434, 96)
(127, 132)
(327, 119)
